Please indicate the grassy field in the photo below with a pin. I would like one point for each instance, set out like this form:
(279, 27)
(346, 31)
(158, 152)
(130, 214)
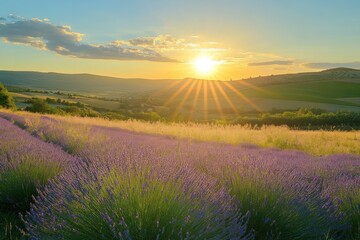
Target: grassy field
(332, 142)
(322, 92)
(227, 98)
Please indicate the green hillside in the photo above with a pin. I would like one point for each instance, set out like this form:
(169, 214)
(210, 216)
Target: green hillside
(81, 83)
(331, 90)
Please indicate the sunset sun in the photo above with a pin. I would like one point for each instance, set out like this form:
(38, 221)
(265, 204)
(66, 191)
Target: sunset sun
(205, 65)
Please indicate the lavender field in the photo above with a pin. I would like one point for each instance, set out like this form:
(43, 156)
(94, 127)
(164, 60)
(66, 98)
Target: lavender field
(67, 180)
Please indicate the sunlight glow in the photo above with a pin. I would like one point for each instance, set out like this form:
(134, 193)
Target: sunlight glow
(205, 65)
(191, 98)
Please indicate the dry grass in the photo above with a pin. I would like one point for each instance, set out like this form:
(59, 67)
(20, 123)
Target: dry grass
(313, 142)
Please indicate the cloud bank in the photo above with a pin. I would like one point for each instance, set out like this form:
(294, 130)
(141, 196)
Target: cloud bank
(42, 34)
(324, 65)
(269, 63)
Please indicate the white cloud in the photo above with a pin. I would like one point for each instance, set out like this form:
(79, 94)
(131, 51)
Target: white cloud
(44, 35)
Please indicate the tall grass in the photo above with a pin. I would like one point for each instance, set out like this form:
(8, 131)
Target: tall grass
(317, 143)
(8, 226)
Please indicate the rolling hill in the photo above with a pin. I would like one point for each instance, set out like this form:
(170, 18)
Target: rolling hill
(332, 90)
(82, 83)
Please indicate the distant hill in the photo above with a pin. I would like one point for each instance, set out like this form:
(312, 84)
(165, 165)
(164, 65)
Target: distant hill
(341, 69)
(341, 74)
(101, 84)
(84, 83)
(333, 90)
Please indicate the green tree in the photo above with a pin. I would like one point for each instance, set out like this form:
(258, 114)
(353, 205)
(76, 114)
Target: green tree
(6, 99)
(39, 105)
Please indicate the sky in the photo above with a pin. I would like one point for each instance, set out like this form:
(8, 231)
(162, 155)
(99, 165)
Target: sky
(162, 39)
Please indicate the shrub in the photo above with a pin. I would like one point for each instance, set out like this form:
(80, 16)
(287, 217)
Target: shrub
(135, 204)
(6, 99)
(39, 105)
(276, 213)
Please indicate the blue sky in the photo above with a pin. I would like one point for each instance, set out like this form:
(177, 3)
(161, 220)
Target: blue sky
(325, 32)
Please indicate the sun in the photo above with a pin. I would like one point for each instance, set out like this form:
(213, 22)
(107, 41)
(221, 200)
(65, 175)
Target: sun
(205, 65)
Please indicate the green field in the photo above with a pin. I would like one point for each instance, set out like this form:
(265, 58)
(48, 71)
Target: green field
(192, 99)
(323, 92)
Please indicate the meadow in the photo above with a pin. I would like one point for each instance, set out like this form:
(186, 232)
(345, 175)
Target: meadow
(186, 97)
(268, 136)
(101, 179)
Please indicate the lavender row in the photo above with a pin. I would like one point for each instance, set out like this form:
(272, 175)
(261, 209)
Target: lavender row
(26, 163)
(26, 166)
(245, 190)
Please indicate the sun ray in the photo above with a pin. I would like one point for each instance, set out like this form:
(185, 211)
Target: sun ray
(166, 88)
(242, 96)
(227, 98)
(173, 97)
(186, 96)
(216, 99)
(195, 102)
(205, 99)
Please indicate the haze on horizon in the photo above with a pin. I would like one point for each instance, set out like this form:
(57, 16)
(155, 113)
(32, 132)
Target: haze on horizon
(229, 39)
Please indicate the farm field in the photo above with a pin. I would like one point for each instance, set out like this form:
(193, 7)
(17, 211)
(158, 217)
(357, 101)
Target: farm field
(180, 120)
(172, 184)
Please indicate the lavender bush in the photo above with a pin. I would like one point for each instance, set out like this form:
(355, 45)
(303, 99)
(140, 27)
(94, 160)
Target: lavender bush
(26, 165)
(135, 186)
(128, 209)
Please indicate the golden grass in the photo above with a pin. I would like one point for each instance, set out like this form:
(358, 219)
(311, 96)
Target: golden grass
(314, 142)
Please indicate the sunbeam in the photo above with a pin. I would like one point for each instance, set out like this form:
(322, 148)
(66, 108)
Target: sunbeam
(242, 96)
(195, 101)
(167, 88)
(216, 99)
(205, 100)
(186, 96)
(172, 98)
(227, 98)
